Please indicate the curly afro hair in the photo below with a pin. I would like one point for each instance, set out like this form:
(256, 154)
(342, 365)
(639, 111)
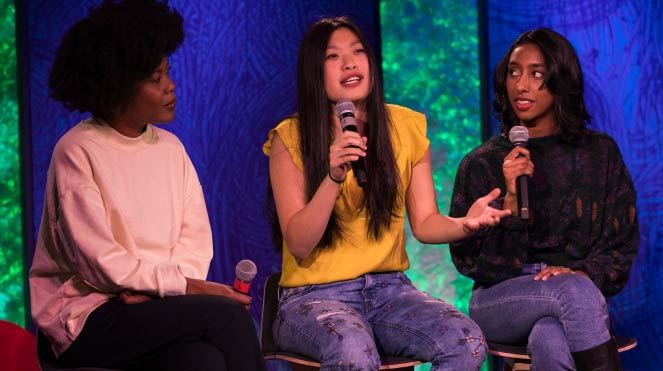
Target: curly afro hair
(102, 58)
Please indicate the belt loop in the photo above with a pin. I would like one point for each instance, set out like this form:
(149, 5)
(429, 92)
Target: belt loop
(533, 268)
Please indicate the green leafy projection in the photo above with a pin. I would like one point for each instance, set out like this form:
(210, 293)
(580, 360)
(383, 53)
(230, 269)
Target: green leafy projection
(11, 254)
(430, 61)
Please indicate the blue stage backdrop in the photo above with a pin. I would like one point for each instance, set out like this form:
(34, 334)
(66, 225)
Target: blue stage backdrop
(619, 43)
(235, 76)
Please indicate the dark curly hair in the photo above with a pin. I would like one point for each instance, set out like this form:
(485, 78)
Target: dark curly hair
(103, 57)
(563, 79)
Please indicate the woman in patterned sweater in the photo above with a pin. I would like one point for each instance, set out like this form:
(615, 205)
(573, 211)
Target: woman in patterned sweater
(543, 281)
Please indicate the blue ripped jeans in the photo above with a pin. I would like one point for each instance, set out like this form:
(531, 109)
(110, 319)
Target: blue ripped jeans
(347, 324)
(564, 314)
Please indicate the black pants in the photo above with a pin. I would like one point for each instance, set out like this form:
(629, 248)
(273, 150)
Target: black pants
(191, 332)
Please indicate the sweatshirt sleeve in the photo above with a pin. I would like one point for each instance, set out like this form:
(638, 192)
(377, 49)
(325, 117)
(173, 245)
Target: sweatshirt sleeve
(82, 228)
(193, 249)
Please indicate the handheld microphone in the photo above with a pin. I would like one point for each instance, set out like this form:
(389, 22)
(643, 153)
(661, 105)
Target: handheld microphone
(518, 135)
(245, 271)
(345, 110)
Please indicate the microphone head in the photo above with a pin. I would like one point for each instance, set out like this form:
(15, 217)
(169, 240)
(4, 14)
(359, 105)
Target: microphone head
(344, 106)
(246, 270)
(518, 135)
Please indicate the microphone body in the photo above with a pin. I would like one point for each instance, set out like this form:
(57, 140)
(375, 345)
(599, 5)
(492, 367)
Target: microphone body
(518, 135)
(345, 110)
(245, 272)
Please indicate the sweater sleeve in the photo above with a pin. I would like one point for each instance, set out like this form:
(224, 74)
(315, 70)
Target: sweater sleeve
(494, 254)
(82, 226)
(616, 237)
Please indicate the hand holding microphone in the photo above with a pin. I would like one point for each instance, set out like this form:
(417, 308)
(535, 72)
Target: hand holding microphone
(345, 110)
(516, 168)
(245, 271)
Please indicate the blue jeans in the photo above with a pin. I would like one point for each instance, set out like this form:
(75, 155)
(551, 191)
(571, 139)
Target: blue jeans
(345, 325)
(566, 313)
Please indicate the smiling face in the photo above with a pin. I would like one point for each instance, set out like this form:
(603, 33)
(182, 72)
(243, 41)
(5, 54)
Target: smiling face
(154, 102)
(346, 67)
(530, 99)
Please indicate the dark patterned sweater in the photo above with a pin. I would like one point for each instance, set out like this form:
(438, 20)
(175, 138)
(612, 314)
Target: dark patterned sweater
(582, 212)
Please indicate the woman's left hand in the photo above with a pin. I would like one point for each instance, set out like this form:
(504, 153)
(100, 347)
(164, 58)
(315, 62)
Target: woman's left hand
(481, 215)
(554, 271)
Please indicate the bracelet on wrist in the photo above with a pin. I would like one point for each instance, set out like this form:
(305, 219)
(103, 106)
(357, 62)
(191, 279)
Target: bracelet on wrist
(337, 181)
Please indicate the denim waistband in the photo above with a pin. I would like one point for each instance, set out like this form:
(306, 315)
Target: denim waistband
(533, 268)
(366, 279)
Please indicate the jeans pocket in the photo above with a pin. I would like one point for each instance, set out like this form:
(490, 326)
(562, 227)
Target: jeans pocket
(287, 294)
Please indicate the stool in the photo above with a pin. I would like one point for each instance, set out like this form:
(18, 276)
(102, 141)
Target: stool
(516, 357)
(298, 362)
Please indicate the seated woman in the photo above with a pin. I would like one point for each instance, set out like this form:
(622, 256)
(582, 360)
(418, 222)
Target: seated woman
(345, 296)
(118, 276)
(543, 281)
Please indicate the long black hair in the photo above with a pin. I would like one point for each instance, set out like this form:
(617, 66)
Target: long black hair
(381, 193)
(563, 79)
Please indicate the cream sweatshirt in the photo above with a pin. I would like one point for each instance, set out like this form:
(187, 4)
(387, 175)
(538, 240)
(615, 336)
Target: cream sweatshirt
(119, 213)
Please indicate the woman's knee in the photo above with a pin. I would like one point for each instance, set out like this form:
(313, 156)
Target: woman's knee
(471, 342)
(337, 336)
(460, 345)
(353, 355)
(578, 291)
(338, 346)
(216, 307)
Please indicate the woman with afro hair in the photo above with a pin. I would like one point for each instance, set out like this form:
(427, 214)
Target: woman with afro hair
(124, 246)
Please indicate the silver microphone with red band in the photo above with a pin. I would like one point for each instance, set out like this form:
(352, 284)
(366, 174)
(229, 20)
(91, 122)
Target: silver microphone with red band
(518, 135)
(245, 272)
(345, 110)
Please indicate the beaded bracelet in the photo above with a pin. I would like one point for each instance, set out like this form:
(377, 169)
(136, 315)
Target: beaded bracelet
(334, 179)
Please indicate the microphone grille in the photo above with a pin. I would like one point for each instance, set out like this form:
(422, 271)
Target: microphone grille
(518, 134)
(246, 270)
(344, 105)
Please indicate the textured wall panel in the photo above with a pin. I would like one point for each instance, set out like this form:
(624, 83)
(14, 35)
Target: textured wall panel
(430, 58)
(620, 45)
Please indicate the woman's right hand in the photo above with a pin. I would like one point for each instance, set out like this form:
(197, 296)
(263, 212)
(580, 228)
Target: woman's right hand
(516, 163)
(129, 297)
(347, 147)
(202, 287)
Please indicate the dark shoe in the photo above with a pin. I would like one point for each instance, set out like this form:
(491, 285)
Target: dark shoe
(604, 357)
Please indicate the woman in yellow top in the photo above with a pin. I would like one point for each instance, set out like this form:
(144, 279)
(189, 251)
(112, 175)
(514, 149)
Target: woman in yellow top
(344, 296)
